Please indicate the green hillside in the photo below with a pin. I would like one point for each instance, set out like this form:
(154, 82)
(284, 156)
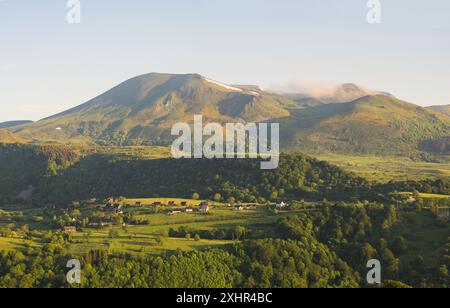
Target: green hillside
(22, 166)
(60, 174)
(379, 125)
(142, 110)
(7, 137)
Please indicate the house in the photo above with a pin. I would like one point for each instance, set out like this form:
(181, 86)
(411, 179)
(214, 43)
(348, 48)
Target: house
(239, 208)
(115, 208)
(251, 207)
(171, 203)
(138, 203)
(69, 229)
(174, 212)
(281, 206)
(184, 203)
(410, 201)
(189, 209)
(204, 207)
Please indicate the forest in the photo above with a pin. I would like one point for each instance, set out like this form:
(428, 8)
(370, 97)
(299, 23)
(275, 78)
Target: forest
(312, 249)
(335, 222)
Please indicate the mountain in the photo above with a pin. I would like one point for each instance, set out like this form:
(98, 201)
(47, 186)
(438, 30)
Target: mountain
(378, 125)
(142, 110)
(445, 109)
(10, 124)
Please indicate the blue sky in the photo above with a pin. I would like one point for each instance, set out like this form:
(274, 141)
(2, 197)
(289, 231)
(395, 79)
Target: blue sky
(47, 65)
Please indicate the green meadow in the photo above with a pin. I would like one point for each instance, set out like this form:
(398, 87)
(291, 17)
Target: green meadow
(385, 169)
(152, 238)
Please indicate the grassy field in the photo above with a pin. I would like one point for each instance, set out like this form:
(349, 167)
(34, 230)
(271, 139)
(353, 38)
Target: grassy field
(9, 244)
(136, 241)
(384, 169)
(425, 196)
(153, 238)
(144, 238)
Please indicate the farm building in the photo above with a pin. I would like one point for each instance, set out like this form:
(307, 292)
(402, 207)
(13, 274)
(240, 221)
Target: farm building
(68, 230)
(282, 206)
(204, 207)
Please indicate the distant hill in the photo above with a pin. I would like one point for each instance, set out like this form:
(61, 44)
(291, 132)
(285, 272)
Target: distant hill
(10, 124)
(378, 125)
(59, 175)
(445, 109)
(142, 110)
(23, 166)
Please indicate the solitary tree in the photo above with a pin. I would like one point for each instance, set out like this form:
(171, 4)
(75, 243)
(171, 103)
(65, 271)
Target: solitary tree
(217, 197)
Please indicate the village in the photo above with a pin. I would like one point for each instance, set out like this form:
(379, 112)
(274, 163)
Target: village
(121, 212)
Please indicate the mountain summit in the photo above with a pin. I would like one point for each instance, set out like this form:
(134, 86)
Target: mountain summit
(143, 109)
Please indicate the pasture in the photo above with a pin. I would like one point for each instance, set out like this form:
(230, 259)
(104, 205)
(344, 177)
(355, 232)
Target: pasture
(385, 169)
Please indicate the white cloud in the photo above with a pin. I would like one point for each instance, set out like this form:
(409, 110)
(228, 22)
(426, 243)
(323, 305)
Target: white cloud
(310, 87)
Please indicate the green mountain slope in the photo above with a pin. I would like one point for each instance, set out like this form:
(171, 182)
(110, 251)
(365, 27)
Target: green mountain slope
(142, 110)
(379, 125)
(7, 137)
(23, 166)
(60, 175)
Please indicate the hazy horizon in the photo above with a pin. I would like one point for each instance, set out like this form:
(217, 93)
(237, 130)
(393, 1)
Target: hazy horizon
(48, 66)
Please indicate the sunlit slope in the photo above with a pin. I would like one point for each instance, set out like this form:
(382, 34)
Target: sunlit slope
(378, 125)
(142, 110)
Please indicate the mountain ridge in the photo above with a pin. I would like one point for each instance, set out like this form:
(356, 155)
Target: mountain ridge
(11, 124)
(142, 110)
